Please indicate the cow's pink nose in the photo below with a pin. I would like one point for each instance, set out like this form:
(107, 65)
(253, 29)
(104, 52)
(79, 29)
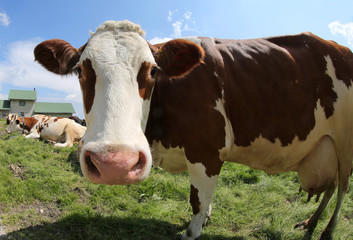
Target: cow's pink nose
(121, 166)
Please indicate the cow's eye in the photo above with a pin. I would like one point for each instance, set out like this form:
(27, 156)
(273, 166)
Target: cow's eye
(78, 71)
(153, 71)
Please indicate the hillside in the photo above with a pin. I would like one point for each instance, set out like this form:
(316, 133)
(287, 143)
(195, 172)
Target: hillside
(43, 195)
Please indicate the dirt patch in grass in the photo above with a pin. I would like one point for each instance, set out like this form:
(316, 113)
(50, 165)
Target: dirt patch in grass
(35, 213)
(18, 170)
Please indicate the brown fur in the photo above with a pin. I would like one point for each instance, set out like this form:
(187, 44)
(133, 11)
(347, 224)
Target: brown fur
(178, 57)
(58, 55)
(88, 83)
(145, 80)
(28, 121)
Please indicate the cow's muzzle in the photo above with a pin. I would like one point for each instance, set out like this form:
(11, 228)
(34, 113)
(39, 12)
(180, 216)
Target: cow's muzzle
(114, 165)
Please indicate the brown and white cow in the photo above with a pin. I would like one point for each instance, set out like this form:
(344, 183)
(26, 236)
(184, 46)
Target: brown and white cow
(278, 104)
(62, 131)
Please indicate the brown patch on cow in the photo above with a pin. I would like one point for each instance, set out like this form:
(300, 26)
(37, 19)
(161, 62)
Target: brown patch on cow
(272, 85)
(88, 84)
(178, 57)
(57, 118)
(194, 200)
(182, 114)
(57, 56)
(145, 80)
(29, 122)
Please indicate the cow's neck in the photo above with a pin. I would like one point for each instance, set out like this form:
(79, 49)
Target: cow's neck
(28, 123)
(154, 125)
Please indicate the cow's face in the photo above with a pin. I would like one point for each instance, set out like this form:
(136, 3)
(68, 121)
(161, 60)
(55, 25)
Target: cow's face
(9, 118)
(14, 126)
(117, 70)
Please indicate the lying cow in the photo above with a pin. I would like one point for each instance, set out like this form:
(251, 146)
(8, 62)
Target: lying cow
(78, 120)
(62, 131)
(278, 104)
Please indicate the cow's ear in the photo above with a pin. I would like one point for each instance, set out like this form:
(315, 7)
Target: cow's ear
(58, 56)
(178, 57)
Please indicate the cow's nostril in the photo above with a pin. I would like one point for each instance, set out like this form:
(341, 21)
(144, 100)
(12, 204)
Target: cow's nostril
(90, 165)
(138, 167)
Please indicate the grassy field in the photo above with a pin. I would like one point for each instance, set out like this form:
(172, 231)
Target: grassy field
(44, 196)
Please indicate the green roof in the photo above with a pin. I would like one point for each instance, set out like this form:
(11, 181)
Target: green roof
(4, 105)
(23, 94)
(49, 107)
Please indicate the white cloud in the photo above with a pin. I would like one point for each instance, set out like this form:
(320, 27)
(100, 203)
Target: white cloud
(177, 29)
(187, 15)
(20, 70)
(157, 40)
(182, 24)
(170, 16)
(4, 19)
(345, 29)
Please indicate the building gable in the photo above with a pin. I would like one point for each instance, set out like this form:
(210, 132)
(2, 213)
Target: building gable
(22, 95)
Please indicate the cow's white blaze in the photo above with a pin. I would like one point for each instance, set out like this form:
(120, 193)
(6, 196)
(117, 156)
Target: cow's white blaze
(118, 113)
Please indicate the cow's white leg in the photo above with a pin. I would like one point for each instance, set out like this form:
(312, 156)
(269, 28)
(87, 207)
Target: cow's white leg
(34, 135)
(69, 141)
(202, 188)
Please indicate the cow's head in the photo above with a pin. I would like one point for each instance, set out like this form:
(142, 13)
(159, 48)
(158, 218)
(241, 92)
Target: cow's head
(117, 70)
(9, 118)
(14, 125)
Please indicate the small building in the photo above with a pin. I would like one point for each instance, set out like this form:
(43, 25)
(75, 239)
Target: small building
(54, 109)
(24, 103)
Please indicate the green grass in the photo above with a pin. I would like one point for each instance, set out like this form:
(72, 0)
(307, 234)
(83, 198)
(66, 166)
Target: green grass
(43, 195)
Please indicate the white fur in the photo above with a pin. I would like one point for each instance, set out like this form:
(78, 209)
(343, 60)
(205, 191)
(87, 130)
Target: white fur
(205, 186)
(229, 134)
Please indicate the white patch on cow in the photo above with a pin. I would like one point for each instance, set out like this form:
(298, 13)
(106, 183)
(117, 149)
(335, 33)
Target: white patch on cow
(229, 134)
(193, 39)
(216, 74)
(274, 158)
(170, 159)
(338, 85)
(205, 186)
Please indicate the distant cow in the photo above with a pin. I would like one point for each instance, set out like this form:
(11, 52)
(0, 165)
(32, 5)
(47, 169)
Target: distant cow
(278, 104)
(62, 131)
(78, 120)
(9, 118)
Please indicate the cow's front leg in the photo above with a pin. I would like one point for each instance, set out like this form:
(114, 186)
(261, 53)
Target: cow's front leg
(203, 185)
(34, 135)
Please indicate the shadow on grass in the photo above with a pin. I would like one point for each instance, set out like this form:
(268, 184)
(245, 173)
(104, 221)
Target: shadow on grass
(79, 227)
(74, 161)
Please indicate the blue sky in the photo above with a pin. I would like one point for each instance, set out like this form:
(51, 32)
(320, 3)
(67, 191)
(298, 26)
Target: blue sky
(25, 23)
